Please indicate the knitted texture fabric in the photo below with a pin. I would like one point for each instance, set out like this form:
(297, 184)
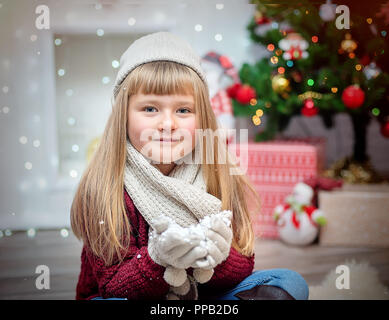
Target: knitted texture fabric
(138, 277)
(180, 197)
(159, 46)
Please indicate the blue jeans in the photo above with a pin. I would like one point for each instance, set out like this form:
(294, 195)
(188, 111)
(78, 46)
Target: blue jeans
(286, 279)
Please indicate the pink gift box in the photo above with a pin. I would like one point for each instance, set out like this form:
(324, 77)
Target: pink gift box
(274, 168)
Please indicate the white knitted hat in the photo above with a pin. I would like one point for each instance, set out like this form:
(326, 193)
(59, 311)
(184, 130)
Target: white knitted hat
(159, 46)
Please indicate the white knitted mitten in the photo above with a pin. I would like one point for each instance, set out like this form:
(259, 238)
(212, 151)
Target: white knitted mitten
(175, 248)
(219, 236)
(171, 244)
(217, 242)
(202, 247)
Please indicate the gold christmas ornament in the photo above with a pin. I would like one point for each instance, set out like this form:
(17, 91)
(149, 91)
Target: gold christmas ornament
(348, 45)
(280, 84)
(353, 172)
(310, 95)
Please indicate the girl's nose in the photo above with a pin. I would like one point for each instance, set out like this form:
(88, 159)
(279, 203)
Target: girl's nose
(167, 123)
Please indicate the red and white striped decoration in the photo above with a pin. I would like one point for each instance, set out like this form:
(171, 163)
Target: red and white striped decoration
(274, 168)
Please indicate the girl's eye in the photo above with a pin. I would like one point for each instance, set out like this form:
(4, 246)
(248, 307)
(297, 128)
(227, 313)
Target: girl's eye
(153, 109)
(149, 109)
(185, 110)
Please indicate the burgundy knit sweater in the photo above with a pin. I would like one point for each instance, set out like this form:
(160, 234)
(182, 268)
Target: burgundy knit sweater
(139, 277)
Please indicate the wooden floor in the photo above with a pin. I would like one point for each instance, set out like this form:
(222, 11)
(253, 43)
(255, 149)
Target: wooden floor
(20, 255)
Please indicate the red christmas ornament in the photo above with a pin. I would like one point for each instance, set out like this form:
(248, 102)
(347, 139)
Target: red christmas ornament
(385, 129)
(245, 93)
(231, 90)
(309, 109)
(353, 97)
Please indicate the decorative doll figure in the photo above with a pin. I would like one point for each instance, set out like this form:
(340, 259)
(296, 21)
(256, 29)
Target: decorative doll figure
(220, 73)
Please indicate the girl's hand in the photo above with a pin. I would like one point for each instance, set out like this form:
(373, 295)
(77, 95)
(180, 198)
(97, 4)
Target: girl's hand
(171, 244)
(219, 237)
(220, 233)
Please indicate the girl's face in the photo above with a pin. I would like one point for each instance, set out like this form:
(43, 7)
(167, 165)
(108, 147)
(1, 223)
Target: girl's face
(162, 127)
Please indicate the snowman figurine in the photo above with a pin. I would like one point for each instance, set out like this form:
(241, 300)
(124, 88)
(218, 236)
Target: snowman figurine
(298, 220)
(220, 73)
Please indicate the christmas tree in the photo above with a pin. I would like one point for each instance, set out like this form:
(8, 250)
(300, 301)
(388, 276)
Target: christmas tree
(320, 62)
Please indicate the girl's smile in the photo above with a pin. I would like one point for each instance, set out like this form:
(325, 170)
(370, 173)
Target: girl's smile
(167, 140)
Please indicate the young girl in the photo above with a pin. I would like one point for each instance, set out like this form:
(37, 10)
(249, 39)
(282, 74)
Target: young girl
(155, 224)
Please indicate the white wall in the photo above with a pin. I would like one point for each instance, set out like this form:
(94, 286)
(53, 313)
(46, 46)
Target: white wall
(82, 93)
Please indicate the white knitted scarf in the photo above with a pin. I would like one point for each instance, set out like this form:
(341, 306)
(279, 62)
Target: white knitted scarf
(181, 195)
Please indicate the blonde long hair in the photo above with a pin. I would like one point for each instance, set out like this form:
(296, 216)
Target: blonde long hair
(98, 213)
